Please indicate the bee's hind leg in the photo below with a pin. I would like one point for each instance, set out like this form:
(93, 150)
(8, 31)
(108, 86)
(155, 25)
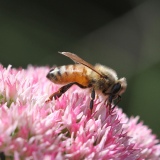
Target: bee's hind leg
(63, 90)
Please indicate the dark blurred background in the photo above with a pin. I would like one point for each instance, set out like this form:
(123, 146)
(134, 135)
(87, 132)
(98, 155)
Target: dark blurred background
(124, 35)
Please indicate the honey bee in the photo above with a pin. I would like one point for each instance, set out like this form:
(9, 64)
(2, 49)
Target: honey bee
(99, 78)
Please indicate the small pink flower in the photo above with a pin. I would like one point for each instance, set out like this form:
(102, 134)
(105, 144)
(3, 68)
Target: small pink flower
(65, 128)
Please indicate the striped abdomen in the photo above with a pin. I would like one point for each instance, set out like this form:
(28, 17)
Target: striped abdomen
(69, 73)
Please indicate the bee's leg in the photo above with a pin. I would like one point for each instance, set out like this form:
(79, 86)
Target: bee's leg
(108, 105)
(63, 90)
(108, 100)
(118, 100)
(109, 108)
(92, 98)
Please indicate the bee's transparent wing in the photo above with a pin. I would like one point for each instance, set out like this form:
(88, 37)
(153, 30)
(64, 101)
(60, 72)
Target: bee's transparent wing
(77, 59)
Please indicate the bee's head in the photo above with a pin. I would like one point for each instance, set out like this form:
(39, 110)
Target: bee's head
(117, 89)
(120, 86)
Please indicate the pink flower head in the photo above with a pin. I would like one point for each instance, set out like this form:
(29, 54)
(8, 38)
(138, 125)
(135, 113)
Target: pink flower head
(65, 128)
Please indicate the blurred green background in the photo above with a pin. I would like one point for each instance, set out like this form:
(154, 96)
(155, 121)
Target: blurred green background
(124, 35)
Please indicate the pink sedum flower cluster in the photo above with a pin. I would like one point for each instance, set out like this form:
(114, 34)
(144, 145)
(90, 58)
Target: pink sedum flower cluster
(65, 129)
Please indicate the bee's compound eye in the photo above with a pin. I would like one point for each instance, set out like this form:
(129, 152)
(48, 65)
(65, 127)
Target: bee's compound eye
(116, 88)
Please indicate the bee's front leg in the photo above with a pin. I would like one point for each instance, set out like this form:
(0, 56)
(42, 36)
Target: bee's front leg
(118, 100)
(110, 100)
